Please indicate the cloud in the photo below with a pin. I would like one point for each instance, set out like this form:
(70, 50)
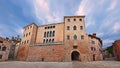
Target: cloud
(107, 42)
(84, 8)
(112, 5)
(44, 14)
(100, 34)
(116, 27)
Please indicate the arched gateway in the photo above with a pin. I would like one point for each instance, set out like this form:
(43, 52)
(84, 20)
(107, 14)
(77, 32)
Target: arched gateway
(75, 56)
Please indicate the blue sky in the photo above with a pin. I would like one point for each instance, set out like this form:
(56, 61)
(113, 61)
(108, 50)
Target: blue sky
(102, 16)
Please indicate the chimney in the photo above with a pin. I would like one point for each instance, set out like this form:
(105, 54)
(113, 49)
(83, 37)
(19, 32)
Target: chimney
(94, 34)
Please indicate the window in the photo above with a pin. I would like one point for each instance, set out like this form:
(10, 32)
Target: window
(44, 34)
(53, 33)
(80, 19)
(49, 40)
(0, 56)
(25, 42)
(0, 47)
(82, 37)
(74, 27)
(68, 37)
(45, 27)
(75, 37)
(50, 33)
(68, 20)
(46, 40)
(93, 42)
(68, 27)
(81, 27)
(52, 40)
(47, 34)
(93, 49)
(74, 19)
(53, 26)
(4, 48)
(43, 40)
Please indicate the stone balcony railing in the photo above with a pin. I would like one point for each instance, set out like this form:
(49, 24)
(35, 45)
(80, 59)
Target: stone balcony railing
(43, 44)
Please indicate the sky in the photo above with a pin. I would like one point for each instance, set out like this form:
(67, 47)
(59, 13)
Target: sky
(101, 16)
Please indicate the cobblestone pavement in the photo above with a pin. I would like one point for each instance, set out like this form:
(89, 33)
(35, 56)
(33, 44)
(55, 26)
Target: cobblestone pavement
(95, 64)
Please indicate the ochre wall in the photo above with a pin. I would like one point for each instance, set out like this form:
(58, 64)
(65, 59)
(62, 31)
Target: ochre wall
(48, 52)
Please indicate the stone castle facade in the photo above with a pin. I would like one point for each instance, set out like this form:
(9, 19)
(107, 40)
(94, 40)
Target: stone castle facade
(65, 41)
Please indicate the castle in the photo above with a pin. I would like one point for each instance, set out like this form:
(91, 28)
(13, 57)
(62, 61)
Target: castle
(62, 42)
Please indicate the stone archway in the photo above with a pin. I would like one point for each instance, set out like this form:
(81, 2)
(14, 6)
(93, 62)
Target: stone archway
(75, 56)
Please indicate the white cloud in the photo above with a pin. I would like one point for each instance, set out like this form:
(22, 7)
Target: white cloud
(100, 34)
(84, 8)
(112, 5)
(107, 41)
(44, 13)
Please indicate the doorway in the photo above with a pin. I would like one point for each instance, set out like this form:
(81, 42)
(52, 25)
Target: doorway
(75, 56)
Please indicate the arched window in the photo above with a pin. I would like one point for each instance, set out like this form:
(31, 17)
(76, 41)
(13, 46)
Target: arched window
(52, 40)
(74, 27)
(43, 40)
(46, 40)
(4, 48)
(45, 34)
(75, 37)
(53, 33)
(50, 33)
(49, 40)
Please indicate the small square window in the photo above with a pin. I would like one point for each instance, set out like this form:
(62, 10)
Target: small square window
(82, 37)
(45, 27)
(68, 20)
(68, 27)
(81, 27)
(0, 56)
(68, 37)
(53, 26)
(74, 19)
(93, 42)
(75, 47)
(80, 19)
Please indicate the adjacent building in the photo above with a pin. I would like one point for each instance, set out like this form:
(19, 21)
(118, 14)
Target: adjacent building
(64, 41)
(4, 49)
(116, 49)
